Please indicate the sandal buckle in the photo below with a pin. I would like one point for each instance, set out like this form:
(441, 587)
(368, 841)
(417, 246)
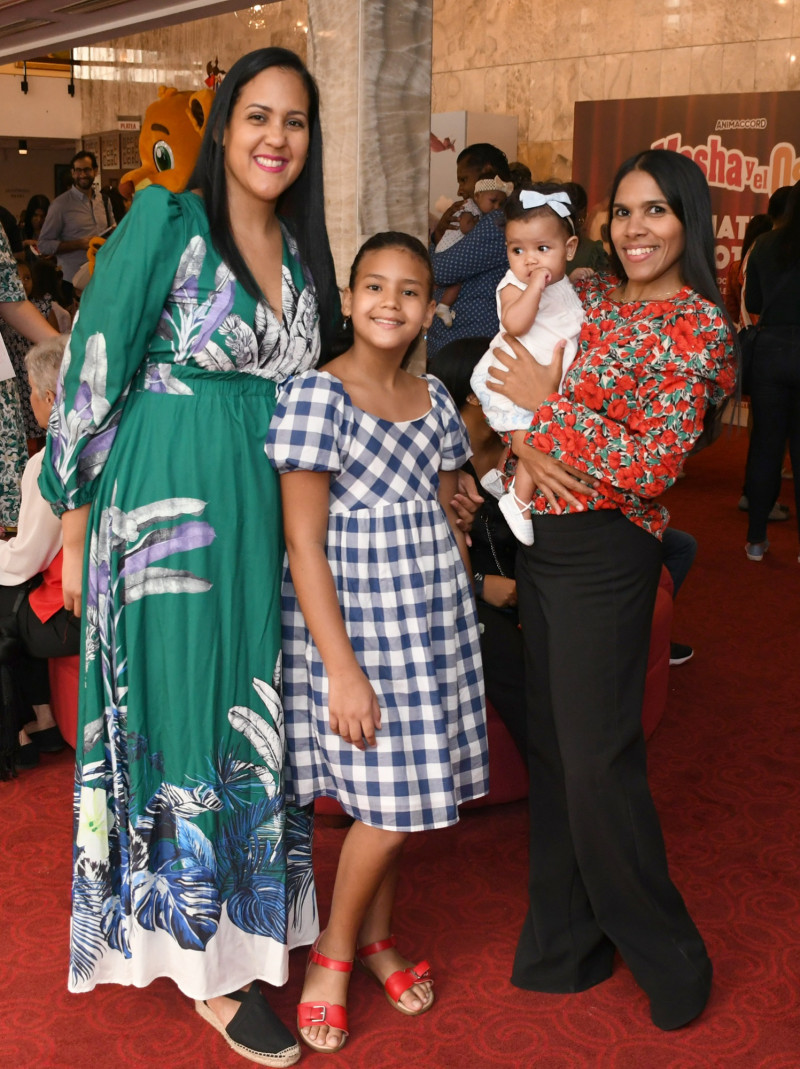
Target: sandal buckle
(319, 1020)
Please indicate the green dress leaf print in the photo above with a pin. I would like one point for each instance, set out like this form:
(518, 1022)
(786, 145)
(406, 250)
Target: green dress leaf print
(188, 863)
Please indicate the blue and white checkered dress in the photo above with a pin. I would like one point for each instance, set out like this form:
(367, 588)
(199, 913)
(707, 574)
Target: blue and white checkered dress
(407, 605)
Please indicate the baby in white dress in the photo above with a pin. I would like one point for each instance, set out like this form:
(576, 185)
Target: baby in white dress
(536, 304)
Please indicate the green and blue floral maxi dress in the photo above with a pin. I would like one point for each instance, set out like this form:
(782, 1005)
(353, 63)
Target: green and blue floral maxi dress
(187, 861)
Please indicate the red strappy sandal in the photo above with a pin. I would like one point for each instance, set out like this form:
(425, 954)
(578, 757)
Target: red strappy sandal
(310, 1013)
(399, 982)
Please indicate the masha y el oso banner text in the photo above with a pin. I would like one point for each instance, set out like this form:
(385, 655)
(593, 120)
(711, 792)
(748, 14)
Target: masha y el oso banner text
(746, 143)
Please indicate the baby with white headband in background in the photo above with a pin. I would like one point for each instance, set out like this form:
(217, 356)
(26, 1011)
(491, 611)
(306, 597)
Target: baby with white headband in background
(536, 304)
(489, 195)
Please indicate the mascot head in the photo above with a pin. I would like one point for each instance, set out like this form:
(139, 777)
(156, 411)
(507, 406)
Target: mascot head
(169, 142)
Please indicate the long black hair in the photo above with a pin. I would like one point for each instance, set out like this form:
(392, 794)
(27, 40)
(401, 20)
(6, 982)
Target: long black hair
(758, 225)
(787, 232)
(38, 202)
(454, 363)
(301, 207)
(686, 192)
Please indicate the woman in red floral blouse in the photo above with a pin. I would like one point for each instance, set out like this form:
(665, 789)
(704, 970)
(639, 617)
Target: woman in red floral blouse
(656, 351)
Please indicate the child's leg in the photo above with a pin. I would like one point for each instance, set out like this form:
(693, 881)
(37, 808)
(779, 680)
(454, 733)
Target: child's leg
(446, 301)
(514, 504)
(368, 855)
(523, 485)
(376, 927)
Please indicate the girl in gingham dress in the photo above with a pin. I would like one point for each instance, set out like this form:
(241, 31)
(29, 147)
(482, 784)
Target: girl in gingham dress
(383, 688)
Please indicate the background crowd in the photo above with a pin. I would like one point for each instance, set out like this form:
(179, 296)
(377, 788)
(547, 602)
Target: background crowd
(357, 667)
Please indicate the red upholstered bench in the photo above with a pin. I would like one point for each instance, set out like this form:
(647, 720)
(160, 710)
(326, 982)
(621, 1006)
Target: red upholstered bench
(508, 776)
(64, 677)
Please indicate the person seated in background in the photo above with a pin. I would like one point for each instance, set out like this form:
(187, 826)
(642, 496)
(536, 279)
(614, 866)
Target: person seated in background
(678, 550)
(31, 599)
(493, 549)
(520, 173)
(489, 195)
(13, 233)
(589, 253)
(478, 260)
(32, 223)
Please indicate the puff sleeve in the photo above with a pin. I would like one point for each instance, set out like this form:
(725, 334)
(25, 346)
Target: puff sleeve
(455, 447)
(120, 310)
(308, 427)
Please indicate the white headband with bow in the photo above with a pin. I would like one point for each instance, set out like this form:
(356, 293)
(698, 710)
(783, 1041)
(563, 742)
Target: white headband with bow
(559, 202)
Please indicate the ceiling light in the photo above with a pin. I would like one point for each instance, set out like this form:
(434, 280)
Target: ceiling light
(254, 16)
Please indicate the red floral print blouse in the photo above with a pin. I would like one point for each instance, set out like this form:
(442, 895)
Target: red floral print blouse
(633, 401)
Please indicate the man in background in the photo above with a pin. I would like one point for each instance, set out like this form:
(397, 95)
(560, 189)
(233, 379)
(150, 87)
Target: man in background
(76, 217)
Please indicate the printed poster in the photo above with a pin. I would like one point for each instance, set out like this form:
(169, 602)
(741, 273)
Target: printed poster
(748, 144)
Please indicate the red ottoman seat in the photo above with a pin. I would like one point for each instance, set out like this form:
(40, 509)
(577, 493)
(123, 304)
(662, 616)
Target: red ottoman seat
(64, 678)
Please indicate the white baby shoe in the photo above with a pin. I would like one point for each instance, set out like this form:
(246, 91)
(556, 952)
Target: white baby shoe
(512, 509)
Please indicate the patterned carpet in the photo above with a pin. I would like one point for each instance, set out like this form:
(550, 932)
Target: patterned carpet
(725, 770)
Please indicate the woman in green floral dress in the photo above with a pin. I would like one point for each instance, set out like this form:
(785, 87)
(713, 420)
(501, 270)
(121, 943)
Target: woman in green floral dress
(187, 862)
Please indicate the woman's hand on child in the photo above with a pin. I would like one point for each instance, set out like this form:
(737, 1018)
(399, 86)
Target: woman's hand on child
(555, 479)
(581, 274)
(525, 381)
(466, 503)
(353, 709)
(446, 221)
(499, 591)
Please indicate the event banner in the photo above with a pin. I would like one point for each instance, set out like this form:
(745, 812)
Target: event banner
(748, 144)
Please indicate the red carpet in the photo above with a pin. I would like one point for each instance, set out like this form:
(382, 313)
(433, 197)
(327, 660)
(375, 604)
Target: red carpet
(725, 770)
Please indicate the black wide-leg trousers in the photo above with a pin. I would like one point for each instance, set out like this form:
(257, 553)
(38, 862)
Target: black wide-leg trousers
(598, 869)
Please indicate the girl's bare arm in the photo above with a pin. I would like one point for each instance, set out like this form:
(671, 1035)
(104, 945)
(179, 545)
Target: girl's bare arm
(352, 704)
(448, 485)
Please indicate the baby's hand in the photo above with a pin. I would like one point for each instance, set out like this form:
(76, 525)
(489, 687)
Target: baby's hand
(581, 274)
(540, 277)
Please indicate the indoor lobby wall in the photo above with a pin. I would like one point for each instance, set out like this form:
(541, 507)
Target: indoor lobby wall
(535, 58)
(124, 73)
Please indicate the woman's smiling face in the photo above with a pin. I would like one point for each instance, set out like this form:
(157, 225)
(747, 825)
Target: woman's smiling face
(647, 234)
(267, 136)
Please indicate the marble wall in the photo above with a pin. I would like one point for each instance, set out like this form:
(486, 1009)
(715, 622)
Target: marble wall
(372, 61)
(535, 58)
(121, 77)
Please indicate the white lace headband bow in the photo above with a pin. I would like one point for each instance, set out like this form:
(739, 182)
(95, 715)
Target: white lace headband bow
(559, 202)
(484, 185)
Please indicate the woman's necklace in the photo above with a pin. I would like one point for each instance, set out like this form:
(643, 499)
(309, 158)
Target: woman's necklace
(624, 299)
